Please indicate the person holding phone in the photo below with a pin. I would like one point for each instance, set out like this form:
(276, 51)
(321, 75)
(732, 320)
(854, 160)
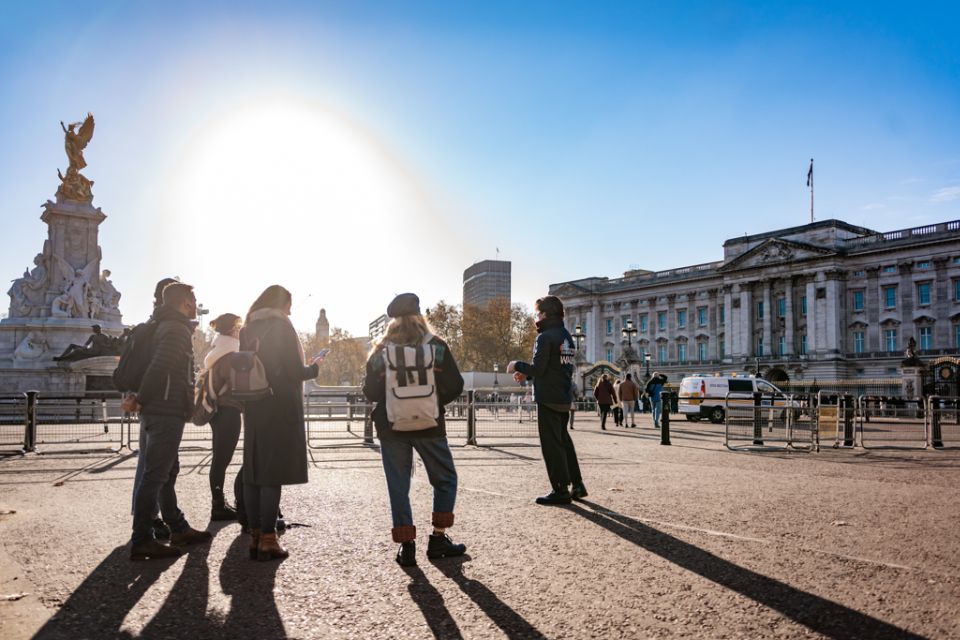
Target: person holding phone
(274, 444)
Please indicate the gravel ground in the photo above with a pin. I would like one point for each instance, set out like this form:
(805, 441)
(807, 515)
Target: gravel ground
(690, 540)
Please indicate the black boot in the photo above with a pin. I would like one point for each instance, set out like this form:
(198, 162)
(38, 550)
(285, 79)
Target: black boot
(441, 546)
(221, 511)
(559, 495)
(407, 554)
(579, 491)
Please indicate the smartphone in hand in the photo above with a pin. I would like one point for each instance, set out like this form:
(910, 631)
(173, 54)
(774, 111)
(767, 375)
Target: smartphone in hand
(321, 355)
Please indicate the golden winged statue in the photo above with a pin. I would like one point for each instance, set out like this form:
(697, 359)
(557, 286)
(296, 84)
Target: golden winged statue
(76, 186)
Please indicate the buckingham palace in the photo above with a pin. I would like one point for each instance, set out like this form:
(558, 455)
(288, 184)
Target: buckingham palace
(827, 299)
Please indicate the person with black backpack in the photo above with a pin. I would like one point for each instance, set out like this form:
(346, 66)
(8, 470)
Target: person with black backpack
(165, 397)
(411, 375)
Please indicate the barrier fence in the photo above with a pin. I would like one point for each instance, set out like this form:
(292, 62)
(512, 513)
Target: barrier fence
(96, 422)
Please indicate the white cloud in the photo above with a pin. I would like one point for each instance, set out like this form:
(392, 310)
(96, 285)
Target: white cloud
(946, 194)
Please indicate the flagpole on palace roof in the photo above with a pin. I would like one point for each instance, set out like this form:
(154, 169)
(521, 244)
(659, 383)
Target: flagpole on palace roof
(810, 184)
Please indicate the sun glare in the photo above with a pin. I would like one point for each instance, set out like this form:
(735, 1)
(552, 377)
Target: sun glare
(285, 192)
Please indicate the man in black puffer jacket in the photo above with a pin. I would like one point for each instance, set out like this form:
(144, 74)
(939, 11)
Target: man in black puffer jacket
(166, 399)
(552, 374)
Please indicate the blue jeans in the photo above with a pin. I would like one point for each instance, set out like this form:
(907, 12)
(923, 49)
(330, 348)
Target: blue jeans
(160, 444)
(657, 409)
(138, 476)
(397, 457)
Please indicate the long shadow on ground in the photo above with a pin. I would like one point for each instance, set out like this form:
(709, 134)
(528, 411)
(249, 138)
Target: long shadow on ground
(819, 614)
(431, 604)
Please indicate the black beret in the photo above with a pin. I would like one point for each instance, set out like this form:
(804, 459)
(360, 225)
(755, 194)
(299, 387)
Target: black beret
(405, 304)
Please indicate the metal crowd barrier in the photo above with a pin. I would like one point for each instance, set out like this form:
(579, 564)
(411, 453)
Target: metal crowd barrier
(93, 420)
(13, 423)
(835, 420)
(761, 422)
(896, 423)
(328, 420)
(944, 412)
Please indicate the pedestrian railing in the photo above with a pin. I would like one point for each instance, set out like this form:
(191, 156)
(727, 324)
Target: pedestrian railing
(898, 423)
(835, 420)
(944, 417)
(766, 420)
(327, 420)
(13, 423)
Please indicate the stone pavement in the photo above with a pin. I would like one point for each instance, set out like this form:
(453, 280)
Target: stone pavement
(690, 540)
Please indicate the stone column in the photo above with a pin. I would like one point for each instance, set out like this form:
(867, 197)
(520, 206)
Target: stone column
(905, 305)
(671, 327)
(942, 301)
(594, 332)
(747, 348)
(767, 324)
(727, 322)
(811, 316)
(834, 304)
(874, 303)
(788, 322)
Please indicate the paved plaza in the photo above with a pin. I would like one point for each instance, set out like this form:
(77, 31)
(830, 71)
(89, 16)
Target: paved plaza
(690, 540)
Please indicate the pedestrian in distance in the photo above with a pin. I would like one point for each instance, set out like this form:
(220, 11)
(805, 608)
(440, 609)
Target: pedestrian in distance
(552, 374)
(654, 389)
(274, 439)
(606, 397)
(629, 393)
(165, 397)
(617, 411)
(226, 420)
(410, 375)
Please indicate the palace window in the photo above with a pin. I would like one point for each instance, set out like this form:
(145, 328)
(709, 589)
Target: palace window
(803, 344)
(956, 290)
(781, 307)
(925, 264)
(858, 341)
(890, 339)
(760, 347)
(956, 336)
(682, 352)
(609, 326)
(661, 320)
(926, 338)
(859, 274)
(609, 355)
(723, 309)
(760, 310)
(722, 352)
(923, 293)
(890, 268)
(661, 353)
(858, 300)
(803, 305)
(702, 351)
(702, 316)
(681, 318)
(623, 321)
(782, 345)
(643, 323)
(890, 297)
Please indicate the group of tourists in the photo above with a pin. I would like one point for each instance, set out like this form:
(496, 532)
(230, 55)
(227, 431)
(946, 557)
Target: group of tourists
(623, 397)
(411, 374)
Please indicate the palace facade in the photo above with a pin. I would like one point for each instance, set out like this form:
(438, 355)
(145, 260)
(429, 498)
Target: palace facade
(827, 299)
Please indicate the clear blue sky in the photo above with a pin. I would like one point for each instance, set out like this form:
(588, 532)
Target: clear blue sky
(353, 150)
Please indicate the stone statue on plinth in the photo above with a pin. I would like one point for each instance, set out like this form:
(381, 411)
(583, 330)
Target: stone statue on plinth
(76, 186)
(96, 345)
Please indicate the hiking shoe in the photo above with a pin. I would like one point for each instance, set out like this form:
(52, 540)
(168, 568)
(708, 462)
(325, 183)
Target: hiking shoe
(189, 536)
(153, 550)
(559, 495)
(269, 548)
(160, 529)
(441, 546)
(579, 491)
(407, 554)
(222, 512)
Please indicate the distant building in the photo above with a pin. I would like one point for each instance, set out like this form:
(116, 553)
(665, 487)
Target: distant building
(378, 327)
(825, 299)
(323, 327)
(486, 280)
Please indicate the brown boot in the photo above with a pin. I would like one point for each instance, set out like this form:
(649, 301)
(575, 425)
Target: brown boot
(189, 536)
(254, 543)
(270, 548)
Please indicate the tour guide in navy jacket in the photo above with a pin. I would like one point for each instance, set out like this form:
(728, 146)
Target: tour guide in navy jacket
(552, 374)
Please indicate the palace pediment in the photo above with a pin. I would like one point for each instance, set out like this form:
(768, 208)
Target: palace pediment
(774, 251)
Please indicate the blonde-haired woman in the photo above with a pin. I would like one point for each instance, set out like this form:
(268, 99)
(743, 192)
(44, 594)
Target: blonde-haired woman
(408, 328)
(274, 438)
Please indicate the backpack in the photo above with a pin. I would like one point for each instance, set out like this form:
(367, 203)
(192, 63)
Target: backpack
(244, 376)
(412, 401)
(135, 357)
(204, 406)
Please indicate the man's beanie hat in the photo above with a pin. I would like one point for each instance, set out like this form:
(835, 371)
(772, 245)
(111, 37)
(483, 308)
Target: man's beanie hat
(405, 304)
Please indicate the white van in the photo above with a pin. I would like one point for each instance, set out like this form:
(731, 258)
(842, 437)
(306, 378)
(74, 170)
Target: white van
(704, 396)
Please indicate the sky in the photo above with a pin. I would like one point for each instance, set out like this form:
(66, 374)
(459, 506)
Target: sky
(353, 151)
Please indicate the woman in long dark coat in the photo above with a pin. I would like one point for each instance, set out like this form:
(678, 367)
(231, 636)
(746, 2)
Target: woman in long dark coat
(274, 442)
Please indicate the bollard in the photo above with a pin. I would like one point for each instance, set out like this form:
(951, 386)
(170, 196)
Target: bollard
(936, 433)
(471, 419)
(757, 418)
(367, 424)
(847, 404)
(665, 418)
(30, 432)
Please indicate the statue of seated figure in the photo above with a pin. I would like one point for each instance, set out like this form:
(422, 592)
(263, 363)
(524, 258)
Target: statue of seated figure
(97, 344)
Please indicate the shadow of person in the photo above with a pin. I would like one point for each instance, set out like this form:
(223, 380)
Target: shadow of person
(828, 618)
(184, 611)
(97, 608)
(431, 604)
(253, 606)
(510, 622)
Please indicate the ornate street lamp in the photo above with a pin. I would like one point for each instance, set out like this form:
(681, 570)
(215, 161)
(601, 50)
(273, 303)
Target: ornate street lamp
(646, 361)
(628, 332)
(578, 337)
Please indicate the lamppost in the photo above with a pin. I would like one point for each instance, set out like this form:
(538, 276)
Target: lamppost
(646, 361)
(628, 332)
(496, 371)
(578, 336)
(201, 311)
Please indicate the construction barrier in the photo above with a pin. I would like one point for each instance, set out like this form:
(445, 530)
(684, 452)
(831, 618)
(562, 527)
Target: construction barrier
(898, 423)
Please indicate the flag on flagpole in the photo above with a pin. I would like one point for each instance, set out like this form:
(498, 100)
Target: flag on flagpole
(810, 174)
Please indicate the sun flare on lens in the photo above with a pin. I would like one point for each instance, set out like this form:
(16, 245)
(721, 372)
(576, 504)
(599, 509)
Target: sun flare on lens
(285, 192)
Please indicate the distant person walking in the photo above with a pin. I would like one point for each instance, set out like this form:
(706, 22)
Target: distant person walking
(654, 390)
(409, 415)
(629, 393)
(274, 440)
(606, 397)
(617, 411)
(166, 402)
(552, 373)
(225, 422)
